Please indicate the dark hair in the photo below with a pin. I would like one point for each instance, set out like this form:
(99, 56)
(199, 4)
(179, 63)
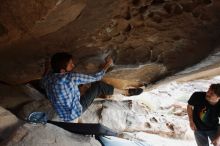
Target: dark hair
(59, 61)
(216, 89)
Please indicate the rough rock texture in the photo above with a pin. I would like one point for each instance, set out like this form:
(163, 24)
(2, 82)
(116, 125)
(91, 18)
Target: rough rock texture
(165, 32)
(42, 105)
(14, 97)
(8, 122)
(134, 77)
(148, 39)
(24, 99)
(31, 19)
(132, 116)
(14, 133)
(48, 135)
(170, 33)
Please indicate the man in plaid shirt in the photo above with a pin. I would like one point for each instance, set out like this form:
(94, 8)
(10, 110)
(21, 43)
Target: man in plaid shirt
(61, 87)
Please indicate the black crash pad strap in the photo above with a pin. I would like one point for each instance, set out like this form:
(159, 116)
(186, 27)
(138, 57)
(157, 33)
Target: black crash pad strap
(85, 128)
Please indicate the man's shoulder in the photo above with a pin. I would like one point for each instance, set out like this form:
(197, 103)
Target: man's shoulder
(48, 75)
(55, 78)
(199, 94)
(197, 98)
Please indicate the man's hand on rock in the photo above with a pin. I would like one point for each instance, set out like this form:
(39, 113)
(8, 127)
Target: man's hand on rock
(108, 63)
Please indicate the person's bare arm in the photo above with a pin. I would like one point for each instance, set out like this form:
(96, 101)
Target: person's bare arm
(190, 115)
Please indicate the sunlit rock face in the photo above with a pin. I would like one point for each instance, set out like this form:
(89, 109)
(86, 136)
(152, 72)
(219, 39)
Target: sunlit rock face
(164, 35)
(133, 116)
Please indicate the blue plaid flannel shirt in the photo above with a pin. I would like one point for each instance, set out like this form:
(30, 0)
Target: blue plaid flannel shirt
(63, 92)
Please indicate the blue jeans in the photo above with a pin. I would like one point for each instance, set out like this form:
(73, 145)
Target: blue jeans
(96, 89)
(202, 137)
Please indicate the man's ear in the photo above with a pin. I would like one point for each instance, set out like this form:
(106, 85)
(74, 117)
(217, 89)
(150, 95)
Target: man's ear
(62, 70)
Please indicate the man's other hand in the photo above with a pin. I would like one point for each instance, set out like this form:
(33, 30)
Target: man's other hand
(192, 125)
(216, 141)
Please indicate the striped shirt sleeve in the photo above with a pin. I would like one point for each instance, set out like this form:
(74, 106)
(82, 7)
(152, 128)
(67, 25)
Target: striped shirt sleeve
(83, 79)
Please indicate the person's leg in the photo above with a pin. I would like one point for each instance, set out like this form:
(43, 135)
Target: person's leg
(96, 89)
(212, 134)
(201, 138)
(128, 92)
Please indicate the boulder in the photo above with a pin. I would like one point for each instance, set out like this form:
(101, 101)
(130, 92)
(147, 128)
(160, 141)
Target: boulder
(131, 116)
(48, 135)
(8, 122)
(13, 96)
(42, 105)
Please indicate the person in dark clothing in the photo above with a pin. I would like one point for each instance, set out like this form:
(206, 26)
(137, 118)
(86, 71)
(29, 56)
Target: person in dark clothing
(204, 111)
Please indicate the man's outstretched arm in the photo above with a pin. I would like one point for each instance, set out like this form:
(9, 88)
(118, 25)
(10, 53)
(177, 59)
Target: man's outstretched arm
(190, 115)
(83, 79)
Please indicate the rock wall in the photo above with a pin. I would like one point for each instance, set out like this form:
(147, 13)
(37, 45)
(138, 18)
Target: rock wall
(166, 33)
